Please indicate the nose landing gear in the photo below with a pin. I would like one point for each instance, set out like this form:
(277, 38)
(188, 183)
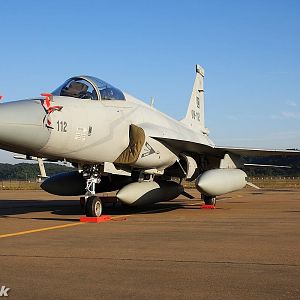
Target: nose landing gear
(93, 204)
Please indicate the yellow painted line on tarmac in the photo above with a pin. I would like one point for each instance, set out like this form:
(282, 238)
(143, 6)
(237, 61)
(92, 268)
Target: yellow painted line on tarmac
(39, 230)
(73, 224)
(52, 228)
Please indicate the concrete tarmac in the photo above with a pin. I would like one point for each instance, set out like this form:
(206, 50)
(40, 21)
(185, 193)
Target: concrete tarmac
(246, 248)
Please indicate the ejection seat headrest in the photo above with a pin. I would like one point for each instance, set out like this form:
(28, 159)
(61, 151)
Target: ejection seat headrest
(76, 89)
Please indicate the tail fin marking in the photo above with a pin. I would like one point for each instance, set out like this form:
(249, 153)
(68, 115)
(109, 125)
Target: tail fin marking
(195, 114)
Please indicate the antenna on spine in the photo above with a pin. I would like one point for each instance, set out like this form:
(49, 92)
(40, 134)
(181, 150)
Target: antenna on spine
(152, 102)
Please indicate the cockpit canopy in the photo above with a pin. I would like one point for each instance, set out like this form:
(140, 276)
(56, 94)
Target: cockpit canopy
(88, 87)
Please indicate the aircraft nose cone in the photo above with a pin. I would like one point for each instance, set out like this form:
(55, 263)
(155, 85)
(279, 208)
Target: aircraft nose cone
(21, 126)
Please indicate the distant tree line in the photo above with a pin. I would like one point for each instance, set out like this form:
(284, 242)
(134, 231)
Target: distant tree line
(293, 162)
(26, 171)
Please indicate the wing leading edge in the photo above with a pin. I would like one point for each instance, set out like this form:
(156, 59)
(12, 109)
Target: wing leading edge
(258, 151)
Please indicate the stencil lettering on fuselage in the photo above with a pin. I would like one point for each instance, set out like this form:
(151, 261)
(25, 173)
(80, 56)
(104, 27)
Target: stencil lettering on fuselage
(80, 134)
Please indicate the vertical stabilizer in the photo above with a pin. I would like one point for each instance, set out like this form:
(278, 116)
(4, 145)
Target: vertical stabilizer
(195, 114)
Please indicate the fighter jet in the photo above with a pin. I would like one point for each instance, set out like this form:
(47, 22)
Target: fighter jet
(117, 142)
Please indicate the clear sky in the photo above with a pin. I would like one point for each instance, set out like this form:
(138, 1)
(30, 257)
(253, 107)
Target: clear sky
(249, 49)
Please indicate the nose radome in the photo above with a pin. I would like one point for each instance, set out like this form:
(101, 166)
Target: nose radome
(21, 126)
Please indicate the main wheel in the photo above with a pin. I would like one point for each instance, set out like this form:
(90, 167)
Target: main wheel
(93, 207)
(209, 200)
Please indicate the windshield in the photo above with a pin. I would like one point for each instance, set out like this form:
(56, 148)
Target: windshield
(78, 88)
(88, 87)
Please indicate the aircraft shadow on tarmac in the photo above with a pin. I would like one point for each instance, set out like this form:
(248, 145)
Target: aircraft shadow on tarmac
(14, 208)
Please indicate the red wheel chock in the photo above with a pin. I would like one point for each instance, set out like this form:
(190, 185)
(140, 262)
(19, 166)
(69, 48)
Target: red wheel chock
(207, 206)
(101, 219)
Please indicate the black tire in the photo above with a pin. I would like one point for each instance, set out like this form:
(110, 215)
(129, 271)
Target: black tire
(93, 207)
(209, 200)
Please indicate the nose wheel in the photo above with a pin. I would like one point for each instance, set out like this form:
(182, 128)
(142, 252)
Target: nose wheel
(93, 206)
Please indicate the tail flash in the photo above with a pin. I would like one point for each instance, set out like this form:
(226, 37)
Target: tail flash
(195, 114)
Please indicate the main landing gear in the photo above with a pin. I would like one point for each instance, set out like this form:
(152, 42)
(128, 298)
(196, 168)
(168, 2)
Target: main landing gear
(209, 200)
(92, 204)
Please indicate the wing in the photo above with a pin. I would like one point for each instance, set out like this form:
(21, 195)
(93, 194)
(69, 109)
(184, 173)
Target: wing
(187, 146)
(188, 141)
